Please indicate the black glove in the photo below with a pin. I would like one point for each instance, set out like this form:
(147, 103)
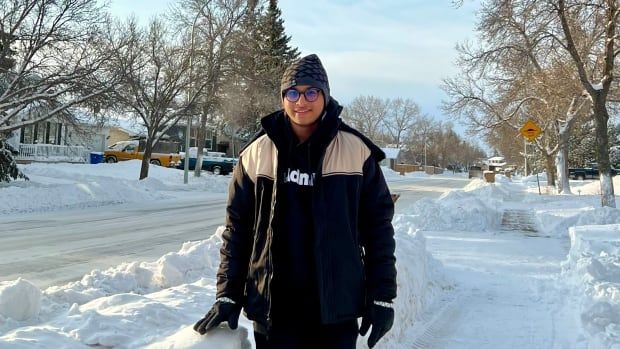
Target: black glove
(221, 311)
(381, 318)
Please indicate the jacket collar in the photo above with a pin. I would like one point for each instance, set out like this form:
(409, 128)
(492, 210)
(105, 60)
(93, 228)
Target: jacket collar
(277, 126)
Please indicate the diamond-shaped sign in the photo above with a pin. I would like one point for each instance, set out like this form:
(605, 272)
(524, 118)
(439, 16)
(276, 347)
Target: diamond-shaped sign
(530, 130)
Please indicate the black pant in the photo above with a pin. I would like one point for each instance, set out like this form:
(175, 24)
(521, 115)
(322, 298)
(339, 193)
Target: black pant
(304, 336)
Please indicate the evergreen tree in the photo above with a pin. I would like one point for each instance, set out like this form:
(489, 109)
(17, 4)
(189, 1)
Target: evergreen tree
(262, 52)
(8, 167)
(582, 151)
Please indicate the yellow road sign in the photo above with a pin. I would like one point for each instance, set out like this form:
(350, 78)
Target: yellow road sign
(530, 130)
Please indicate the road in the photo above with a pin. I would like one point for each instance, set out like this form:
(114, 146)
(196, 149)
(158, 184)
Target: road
(57, 247)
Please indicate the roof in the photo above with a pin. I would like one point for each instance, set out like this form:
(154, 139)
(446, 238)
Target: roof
(391, 153)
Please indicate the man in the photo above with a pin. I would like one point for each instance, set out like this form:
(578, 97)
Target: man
(309, 243)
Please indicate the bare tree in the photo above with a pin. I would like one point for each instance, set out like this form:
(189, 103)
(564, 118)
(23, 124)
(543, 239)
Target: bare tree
(367, 113)
(594, 56)
(51, 60)
(210, 26)
(422, 137)
(519, 72)
(156, 78)
(401, 117)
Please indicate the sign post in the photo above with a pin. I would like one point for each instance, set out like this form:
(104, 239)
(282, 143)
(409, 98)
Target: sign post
(530, 131)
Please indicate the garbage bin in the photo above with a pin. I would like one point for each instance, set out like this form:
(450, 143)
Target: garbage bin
(96, 157)
(489, 176)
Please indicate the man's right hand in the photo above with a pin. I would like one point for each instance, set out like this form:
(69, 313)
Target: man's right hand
(221, 311)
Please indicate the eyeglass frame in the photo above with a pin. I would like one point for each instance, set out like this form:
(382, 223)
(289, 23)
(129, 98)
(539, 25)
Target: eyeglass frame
(285, 94)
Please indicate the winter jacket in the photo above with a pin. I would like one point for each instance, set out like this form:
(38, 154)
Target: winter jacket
(352, 210)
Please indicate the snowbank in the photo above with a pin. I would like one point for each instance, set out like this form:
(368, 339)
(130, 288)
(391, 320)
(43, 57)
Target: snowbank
(592, 272)
(476, 207)
(154, 305)
(64, 186)
(19, 300)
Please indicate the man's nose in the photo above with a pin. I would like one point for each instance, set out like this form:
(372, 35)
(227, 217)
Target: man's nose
(302, 99)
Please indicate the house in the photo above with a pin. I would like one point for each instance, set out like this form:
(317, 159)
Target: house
(118, 134)
(56, 141)
(214, 141)
(392, 157)
(495, 163)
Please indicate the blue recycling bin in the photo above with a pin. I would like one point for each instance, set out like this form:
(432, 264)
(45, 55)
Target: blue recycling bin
(96, 157)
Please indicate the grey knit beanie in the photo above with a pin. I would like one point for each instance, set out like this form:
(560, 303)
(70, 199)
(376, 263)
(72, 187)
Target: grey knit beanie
(307, 70)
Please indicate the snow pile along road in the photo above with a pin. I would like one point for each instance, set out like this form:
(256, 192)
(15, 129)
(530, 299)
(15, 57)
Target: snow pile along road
(592, 272)
(63, 186)
(154, 305)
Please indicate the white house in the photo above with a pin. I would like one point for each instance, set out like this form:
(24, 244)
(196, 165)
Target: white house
(495, 163)
(55, 141)
(391, 157)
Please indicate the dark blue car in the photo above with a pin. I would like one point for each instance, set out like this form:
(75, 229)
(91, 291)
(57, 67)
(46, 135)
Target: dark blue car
(216, 164)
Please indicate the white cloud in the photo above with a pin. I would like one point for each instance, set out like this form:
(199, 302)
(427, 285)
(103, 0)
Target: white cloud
(382, 47)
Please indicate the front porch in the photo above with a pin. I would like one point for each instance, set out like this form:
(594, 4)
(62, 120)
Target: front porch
(51, 153)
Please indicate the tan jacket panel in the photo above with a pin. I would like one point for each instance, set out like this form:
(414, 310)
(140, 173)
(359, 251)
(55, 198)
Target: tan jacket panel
(345, 155)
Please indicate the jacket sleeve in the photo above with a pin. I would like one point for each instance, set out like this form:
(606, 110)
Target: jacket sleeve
(237, 237)
(377, 234)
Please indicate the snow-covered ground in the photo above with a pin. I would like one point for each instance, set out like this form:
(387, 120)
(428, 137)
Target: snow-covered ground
(561, 251)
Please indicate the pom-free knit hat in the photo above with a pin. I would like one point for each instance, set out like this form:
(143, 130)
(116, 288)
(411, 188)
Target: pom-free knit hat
(307, 70)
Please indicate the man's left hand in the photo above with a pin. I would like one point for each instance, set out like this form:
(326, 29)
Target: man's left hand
(381, 318)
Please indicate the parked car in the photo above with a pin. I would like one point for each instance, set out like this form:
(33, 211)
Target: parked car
(134, 149)
(590, 172)
(475, 172)
(214, 162)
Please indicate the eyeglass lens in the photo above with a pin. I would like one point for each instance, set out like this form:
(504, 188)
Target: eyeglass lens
(311, 95)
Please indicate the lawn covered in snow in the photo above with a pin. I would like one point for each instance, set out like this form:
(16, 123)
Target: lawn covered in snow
(153, 305)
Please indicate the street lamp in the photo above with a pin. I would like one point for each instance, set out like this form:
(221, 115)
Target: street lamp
(191, 85)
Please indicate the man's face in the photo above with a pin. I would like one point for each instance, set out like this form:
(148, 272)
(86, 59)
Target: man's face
(303, 112)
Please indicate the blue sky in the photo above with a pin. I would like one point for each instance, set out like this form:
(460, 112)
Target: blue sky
(386, 48)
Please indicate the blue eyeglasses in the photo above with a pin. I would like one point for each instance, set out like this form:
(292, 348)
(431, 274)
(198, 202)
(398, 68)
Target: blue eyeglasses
(311, 94)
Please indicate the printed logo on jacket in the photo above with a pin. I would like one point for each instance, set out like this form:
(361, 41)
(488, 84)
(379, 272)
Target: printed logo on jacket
(301, 178)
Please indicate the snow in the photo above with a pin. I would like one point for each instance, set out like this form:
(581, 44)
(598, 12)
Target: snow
(464, 279)
(62, 186)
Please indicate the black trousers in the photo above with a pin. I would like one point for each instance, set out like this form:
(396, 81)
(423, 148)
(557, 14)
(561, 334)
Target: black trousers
(304, 336)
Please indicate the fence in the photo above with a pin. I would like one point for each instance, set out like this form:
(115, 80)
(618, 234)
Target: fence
(52, 153)
(405, 168)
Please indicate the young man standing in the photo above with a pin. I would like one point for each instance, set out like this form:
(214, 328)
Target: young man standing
(309, 244)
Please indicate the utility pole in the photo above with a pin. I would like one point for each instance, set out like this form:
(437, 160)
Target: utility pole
(424, 154)
(525, 154)
(191, 87)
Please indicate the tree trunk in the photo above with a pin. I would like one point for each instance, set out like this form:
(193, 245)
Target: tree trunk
(601, 116)
(200, 143)
(562, 156)
(146, 158)
(562, 170)
(550, 166)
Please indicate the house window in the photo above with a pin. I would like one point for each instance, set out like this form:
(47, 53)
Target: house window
(27, 134)
(40, 131)
(53, 129)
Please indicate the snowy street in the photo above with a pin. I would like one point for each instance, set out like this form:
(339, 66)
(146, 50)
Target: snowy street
(479, 265)
(55, 248)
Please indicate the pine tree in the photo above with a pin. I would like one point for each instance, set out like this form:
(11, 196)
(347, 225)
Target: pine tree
(262, 52)
(275, 51)
(8, 167)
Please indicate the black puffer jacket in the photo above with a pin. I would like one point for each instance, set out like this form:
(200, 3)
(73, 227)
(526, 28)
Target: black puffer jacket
(352, 210)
